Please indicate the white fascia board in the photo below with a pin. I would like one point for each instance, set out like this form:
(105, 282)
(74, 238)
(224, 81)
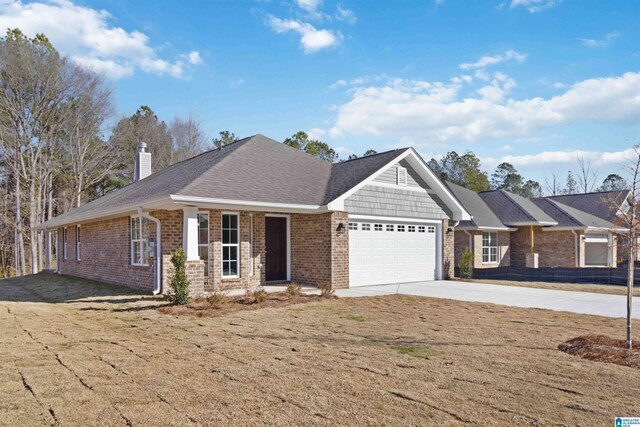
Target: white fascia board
(394, 219)
(53, 224)
(247, 205)
(563, 228)
(535, 224)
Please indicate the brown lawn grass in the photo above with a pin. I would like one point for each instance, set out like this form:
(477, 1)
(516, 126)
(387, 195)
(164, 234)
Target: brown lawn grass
(73, 352)
(574, 287)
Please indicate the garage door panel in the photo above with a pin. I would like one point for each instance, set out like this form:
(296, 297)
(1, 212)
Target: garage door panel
(383, 254)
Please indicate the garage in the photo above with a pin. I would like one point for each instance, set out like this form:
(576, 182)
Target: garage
(383, 252)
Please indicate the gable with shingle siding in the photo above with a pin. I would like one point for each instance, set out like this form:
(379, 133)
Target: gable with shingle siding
(394, 202)
(413, 178)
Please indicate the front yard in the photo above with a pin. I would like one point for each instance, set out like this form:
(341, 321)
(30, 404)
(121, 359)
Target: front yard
(77, 352)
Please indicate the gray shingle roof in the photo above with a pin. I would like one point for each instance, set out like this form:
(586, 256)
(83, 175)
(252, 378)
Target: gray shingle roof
(482, 215)
(554, 211)
(597, 203)
(514, 210)
(256, 169)
(584, 218)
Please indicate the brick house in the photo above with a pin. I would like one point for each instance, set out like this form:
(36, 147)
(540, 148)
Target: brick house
(258, 212)
(559, 231)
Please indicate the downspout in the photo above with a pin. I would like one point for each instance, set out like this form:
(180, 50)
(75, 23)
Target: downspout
(576, 248)
(158, 257)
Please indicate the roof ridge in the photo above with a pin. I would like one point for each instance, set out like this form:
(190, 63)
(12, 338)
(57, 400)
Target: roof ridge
(371, 155)
(588, 192)
(508, 194)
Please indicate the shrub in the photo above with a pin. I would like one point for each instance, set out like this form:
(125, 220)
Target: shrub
(217, 299)
(325, 290)
(260, 296)
(178, 279)
(466, 264)
(293, 290)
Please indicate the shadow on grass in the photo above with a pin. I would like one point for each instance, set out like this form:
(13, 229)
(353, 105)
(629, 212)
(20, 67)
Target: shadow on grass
(58, 288)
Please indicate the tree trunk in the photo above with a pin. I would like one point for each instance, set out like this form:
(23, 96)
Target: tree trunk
(33, 220)
(630, 280)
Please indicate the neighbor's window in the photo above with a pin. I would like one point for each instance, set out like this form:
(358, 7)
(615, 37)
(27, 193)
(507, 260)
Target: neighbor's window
(139, 240)
(489, 247)
(230, 246)
(203, 240)
(78, 242)
(64, 243)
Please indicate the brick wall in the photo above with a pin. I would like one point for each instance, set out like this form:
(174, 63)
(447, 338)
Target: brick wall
(448, 254)
(554, 248)
(462, 242)
(105, 254)
(339, 251)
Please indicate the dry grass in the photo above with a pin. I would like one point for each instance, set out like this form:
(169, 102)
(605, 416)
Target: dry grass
(603, 349)
(217, 305)
(73, 352)
(573, 287)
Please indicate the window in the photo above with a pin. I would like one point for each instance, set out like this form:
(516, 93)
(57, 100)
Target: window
(402, 176)
(377, 227)
(422, 229)
(366, 227)
(489, 247)
(353, 226)
(64, 243)
(77, 242)
(230, 246)
(411, 229)
(401, 228)
(139, 240)
(203, 240)
(431, 229)
(390, 227)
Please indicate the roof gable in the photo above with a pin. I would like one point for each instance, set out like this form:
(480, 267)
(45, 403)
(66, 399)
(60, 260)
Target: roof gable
(481, 215)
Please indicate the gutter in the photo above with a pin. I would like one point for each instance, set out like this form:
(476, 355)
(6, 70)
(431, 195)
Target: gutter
(158, 257)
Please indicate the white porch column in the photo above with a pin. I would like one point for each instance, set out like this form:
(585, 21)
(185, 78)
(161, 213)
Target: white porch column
(190, 233)
(47, 249)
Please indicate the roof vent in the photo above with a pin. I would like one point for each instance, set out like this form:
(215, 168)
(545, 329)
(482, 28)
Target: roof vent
(143, 162)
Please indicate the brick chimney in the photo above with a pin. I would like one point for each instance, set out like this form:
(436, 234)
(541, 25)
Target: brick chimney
(143, 162)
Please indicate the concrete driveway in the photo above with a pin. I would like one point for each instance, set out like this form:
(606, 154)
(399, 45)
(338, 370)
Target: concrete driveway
(576, 302)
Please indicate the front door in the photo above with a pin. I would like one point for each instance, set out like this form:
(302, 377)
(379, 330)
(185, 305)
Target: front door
(276, 246)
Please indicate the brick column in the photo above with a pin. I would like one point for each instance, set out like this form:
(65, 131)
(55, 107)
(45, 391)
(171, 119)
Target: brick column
(448, 262)
(339, 250)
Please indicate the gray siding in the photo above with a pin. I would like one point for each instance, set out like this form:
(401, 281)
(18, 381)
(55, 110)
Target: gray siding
(413, 179)
(385, 201)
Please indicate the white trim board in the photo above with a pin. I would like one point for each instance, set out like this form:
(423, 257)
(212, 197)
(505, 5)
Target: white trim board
(395, 219)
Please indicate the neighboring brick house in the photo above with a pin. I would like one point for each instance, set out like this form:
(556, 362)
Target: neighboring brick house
(257, 212)
(539, 232)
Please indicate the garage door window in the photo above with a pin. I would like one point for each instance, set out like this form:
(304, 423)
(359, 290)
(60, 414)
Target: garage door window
(489, 247)
(411, 229)
(390, 227)
(366, 227)
(432, 229)
(377, 227)
(422, 229)
(353, 226)
(401, 229)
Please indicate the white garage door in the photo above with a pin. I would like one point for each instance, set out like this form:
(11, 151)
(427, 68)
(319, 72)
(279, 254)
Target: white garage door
(391, 252)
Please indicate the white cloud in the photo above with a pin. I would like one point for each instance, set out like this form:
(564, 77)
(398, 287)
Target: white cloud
(603, 42)
(344, 14)
(597, 158)
(535, 6)
(86, 35)
(486, 61)
(506, 147)
(436, 112)
(309, 5)
(311, 39)
(316, 133)
(233, 84)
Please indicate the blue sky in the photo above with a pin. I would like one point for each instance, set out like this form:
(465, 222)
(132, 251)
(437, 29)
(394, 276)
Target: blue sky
(533, 82)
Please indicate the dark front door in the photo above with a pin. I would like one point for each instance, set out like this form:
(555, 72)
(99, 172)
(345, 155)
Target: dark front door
(276, 245)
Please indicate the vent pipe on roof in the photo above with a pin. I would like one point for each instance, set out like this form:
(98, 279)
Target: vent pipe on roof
(143, 163)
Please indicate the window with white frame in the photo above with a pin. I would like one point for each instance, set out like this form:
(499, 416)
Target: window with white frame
(401, 228)
(422, 229)
(411, 229)
(77, 242)
(250, 244)
(230, 245)
(353, 226)
(390, 227)
(431, 229)
(203, 240)
(489, 247)
(402, 176)
(366, 227)
(377, 227)
(139, 240)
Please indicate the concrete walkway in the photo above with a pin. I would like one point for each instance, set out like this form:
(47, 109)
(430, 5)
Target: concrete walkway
(576, 302)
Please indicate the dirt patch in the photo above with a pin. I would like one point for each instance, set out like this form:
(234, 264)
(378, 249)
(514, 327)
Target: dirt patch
(573, 287)
(600, 348)
(219, 305)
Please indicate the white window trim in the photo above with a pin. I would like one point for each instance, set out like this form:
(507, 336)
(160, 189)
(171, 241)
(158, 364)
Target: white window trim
(208, 237)
(237, 245)
(288, 218)
(401, 176)
(78, 244)
(65, 238)
(497, 246)
(143, 245)
(251, 261)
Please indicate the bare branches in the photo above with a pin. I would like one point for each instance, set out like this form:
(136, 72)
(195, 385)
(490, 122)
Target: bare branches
(588, 176)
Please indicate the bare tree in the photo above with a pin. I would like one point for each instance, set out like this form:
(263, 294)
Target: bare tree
(552, 185)
(188, 138)
(588, 176)
(629, 220)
